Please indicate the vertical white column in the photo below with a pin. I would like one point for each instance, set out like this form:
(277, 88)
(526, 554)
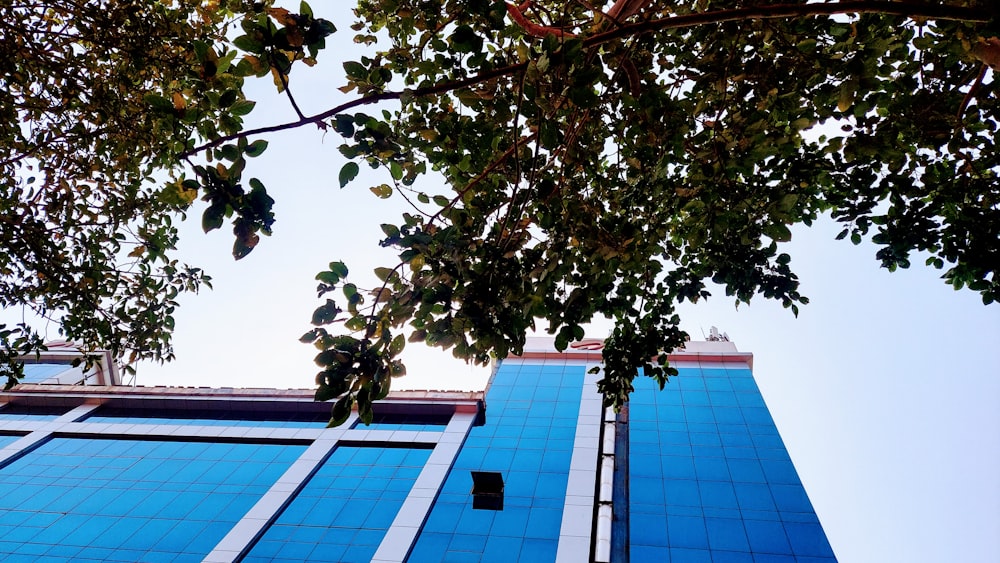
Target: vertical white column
(578, 510)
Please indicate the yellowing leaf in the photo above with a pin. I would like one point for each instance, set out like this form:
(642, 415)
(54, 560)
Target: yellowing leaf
(179, 101)
(283, 16)
(383, 191)
(255, 64)
(416, 263)
(801, 123)
(987, 51)
(279, 81)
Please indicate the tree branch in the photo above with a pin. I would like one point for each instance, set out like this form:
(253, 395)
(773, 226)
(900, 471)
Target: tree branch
(776, 11)
(789, 11)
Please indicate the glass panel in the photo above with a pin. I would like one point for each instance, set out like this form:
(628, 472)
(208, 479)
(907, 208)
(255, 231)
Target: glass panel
(420, 422)
(129, 500)
(6, 440)
(206, 417)
(712, 474)
(36, 372)
(343, 511)
(531, 417)
(30, 412)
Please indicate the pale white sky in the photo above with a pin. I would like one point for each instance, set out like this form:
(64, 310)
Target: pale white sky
(886, 389)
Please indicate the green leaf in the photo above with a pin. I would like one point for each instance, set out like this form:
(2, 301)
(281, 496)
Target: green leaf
(344, 124)
(396, 171)
(397, 345)
(158, 102)
(246, 43)
(309, 337)
(256, 148)
(390, 230)
(806, 45)
(348, 173)
(326, 313)
(583, 96)
(213, 216)
(325, 393)
(364, 400)
(779, 232)
(341, 411)
(383, 274)
(350, 291)
(329, 278)
(355, 70)
(229, 152)
(242, 107)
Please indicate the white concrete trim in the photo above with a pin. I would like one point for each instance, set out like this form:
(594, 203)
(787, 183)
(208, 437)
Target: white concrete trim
(22, 444)
(576, 528)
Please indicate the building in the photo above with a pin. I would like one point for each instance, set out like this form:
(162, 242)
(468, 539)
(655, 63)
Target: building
(61, 363)
(533, 470)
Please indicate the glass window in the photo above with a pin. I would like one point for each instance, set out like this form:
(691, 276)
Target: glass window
(528, 437)
(728, 489)
(421, 422)
(211, 417)
(128, 500)
(31, 412)
(344, 509)
(40, 371)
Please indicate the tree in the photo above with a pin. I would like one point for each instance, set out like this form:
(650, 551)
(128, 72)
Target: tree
(97, 98)
(596, 160)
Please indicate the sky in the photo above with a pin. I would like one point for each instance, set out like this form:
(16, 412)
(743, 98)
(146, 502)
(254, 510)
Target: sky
(885, 389)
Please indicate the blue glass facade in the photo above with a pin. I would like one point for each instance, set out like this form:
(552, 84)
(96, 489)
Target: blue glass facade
(407, 421)
(709, 477)
(127, 500)
(528, 438)
(208, 417)
(33, 412)
(345, 508)
(36, 372)
(695, 473)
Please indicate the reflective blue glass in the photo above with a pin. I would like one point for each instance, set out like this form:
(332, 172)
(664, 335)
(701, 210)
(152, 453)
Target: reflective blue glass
(4, 440)
(713, 476)
(345, 508)
(531, 414)
(420, 422)
(26, 412)
(127, 500)
(205, 417)
(34, 373)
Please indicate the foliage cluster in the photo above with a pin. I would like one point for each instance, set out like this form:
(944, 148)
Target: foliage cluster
(563, 161)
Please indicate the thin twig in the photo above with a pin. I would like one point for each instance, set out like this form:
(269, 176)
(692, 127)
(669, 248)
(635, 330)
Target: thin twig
(284, 84)
(968, 98)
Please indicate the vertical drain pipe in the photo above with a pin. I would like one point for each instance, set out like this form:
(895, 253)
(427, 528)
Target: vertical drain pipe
(620, 522)
(605, 498)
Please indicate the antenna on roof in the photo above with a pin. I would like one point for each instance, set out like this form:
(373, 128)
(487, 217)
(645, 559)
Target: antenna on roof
(715, 336)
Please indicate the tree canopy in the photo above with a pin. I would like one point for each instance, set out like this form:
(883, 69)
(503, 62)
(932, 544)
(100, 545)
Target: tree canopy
(562, 161)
